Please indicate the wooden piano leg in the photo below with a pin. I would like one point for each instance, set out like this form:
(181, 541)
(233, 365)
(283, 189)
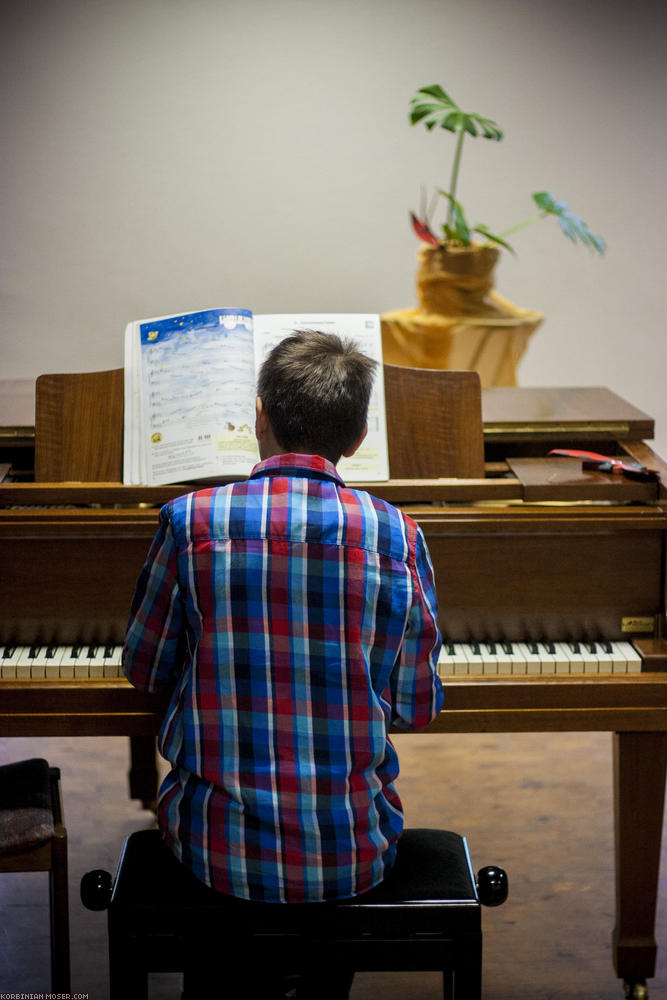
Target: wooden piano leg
(143, 770)
(640, 767)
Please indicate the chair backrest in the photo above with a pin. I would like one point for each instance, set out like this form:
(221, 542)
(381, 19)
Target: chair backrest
(434, 423)
(79, 427)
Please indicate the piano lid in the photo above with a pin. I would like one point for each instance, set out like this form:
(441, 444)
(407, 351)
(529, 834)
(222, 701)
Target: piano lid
(592, 413)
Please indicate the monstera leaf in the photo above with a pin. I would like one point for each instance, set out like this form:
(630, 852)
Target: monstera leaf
(432, 106)
(574, 228)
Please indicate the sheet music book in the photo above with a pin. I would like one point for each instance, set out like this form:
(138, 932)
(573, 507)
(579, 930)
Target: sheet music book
(190, 393)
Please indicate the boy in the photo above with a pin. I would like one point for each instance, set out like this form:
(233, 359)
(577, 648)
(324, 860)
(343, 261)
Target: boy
(292, 621)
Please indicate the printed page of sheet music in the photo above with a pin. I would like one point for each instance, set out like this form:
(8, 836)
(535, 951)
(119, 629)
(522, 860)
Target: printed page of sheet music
(371, 462)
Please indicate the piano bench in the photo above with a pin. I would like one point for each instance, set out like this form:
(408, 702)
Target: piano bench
(33, 838)
(424, 916)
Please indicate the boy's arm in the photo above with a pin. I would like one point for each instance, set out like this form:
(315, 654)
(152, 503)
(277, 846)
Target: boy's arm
(417, 694)
(155, 641)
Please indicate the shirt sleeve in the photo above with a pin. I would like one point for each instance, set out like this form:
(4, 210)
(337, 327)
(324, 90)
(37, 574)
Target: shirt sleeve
(154, 647)
(417, 694)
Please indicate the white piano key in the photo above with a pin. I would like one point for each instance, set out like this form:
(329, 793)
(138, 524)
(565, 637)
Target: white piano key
(90, 662)
(560, 658)
(111, 663)
(609, 660)
(474, 657)
(550, 658)
(627, 658)
(9, 659)
(504, 658)
(455, 660)
(589, 652)
(44, 657)
(52, 670)
(517, 659)
(574, 656)
(70, 658)
(491, 655)
(531, 654)
(24, 662)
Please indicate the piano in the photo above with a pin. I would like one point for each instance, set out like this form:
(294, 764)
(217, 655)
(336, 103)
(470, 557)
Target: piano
(551, 584)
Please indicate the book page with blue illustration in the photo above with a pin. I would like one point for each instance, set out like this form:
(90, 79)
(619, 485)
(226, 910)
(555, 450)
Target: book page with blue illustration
(190, 393)
(195, 398)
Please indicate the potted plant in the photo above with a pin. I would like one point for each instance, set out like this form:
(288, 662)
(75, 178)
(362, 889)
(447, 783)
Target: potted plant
(460, 318)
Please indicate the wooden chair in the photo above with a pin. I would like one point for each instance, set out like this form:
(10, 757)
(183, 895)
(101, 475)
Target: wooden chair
(424, 916)
(33, 838)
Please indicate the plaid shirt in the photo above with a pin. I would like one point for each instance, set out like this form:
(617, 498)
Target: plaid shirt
(291, 620)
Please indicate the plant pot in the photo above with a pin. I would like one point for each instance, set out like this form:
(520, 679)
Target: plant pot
(454, 280)
(461, 323)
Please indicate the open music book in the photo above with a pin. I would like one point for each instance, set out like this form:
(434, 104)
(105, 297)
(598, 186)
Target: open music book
(190, 393)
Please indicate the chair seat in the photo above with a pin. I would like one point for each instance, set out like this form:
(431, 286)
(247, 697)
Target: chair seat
(431, 883)
(426, 915)
(26, 815)
(33, 838)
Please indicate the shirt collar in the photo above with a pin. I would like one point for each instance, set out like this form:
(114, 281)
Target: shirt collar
(291, 464)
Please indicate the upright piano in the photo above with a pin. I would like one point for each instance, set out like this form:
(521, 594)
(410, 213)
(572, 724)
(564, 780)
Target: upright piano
(550, 577)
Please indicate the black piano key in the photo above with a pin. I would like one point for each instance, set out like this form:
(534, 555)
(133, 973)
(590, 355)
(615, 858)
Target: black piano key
(92, 652)
(8, 652)
(475, 648)
(50, 652)
(491, 648)
(108, 650)
(33, 652)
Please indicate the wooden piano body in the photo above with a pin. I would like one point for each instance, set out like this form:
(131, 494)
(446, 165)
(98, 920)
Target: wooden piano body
(525, 547)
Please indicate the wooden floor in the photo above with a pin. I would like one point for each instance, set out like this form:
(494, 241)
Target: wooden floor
(539, 805)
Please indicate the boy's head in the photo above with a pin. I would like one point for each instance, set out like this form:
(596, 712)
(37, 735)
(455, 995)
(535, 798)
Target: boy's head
(314, 390)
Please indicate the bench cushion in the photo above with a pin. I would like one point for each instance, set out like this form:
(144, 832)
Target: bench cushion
(26, 816)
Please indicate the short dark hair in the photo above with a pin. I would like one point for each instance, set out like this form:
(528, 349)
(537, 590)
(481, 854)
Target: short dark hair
(315, 389)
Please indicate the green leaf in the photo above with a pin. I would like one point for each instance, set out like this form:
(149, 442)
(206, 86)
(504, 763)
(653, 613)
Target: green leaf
(572, 226)
(435, 90)
(460, 230)
(489, 128)
(420, 111)
(442, 111)
(483, 231)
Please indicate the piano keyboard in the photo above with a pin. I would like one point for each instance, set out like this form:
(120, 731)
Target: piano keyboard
(538, 658)
(103, 661)
(60, 662)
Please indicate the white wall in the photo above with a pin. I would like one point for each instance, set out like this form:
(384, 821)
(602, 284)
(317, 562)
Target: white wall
(164, 155)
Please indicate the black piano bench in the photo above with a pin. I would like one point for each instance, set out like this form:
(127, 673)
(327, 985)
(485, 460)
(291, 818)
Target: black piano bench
(33, 838)
(425, 916)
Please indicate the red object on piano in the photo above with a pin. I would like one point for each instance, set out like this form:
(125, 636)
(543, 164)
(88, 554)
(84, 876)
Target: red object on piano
(604, 463)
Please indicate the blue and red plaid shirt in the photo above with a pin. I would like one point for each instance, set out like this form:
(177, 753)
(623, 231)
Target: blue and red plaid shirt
(291, 620)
